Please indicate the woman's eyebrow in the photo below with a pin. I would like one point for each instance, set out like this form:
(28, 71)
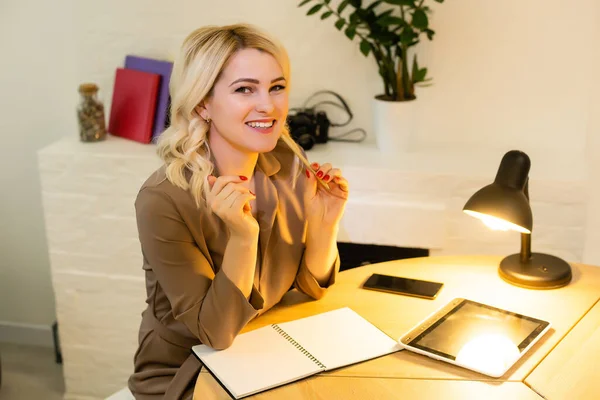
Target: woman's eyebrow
(255, 81)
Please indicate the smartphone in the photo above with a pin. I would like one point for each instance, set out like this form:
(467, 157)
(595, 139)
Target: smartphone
(406, 286)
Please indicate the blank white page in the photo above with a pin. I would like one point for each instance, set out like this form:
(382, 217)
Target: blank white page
(340, 337)
(257, 360)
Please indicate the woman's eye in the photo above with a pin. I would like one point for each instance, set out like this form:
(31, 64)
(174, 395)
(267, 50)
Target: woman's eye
(278, 87)
(243, 89)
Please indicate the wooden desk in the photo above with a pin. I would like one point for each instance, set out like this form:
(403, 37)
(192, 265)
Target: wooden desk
(572, 370)
(409, 375)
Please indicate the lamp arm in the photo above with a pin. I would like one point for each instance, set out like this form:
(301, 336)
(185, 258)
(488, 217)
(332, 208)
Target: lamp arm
(526, 237)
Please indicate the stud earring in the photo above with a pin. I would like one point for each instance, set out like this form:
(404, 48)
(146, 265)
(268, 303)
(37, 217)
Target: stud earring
(208, 120)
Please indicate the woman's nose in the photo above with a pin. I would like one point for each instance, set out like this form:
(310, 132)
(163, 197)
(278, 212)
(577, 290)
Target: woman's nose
(265, 104)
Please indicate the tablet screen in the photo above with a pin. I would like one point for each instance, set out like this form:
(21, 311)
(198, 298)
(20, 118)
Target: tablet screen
(471, 328)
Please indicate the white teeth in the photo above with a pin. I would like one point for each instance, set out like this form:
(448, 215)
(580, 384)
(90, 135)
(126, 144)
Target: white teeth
(260, 124)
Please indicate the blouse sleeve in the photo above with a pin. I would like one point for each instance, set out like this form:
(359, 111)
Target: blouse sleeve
(308, 284)
(209, 304)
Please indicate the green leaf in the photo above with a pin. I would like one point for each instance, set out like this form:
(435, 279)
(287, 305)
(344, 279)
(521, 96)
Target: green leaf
(407, 36)
(327, 1)
(365, 47)
(326, 14)
(350, 31)
(387, 38)
(356, 3)
(342, 6)
(429, 33)
(410, 3)
(390, 20)
(315, 9)
(420, 20)
(304, 2)
(375, 4)
(419, 76)
(385, 13)
(340, 24)
(415, 68)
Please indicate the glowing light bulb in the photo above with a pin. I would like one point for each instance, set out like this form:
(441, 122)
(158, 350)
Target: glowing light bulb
(497, 223)
(494, 223)
(489, 353)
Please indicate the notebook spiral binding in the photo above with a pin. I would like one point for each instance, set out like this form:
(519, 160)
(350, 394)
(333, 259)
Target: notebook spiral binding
(298, 346)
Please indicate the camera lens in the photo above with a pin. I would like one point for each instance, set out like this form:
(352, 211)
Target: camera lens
(306, 141)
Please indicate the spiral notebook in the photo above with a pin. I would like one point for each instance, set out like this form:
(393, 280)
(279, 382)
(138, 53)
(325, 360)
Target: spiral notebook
(278, 354)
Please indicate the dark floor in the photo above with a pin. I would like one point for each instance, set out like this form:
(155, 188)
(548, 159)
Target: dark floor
(30, 373)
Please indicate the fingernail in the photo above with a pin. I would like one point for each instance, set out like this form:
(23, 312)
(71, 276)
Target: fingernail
(326, 177)
(307, 173)
(242, 177)
(252, 193)
(320, 174)
(314, 165)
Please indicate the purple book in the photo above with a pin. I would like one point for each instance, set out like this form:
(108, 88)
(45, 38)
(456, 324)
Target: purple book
(162, 68)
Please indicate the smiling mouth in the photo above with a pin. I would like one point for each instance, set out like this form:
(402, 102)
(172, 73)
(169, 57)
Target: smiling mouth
(261, 125)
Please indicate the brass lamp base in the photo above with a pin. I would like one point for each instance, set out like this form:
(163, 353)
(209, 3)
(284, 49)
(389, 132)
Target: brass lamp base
(540, 271)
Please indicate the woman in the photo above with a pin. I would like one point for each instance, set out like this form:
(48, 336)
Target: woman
(232, 221)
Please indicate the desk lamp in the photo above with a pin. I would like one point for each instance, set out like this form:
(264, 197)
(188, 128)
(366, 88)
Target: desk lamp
(504, 205)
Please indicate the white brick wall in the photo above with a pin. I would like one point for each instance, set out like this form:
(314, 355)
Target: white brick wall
(89, 190)
(88, 194)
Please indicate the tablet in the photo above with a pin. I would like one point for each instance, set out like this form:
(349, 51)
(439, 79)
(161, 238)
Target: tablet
(475, 336)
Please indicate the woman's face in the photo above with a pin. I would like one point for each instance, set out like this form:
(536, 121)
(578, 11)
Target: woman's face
(249, 103)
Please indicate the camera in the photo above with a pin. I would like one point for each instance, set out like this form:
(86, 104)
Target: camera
(308, 128)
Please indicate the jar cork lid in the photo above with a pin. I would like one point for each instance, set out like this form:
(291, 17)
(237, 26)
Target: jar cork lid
(88, 88)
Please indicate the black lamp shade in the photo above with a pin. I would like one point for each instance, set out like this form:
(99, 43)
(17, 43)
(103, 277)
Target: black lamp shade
(505, 198)
(502, 202)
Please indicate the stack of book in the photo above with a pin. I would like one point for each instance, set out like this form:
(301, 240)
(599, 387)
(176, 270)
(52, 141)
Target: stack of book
(140, 102)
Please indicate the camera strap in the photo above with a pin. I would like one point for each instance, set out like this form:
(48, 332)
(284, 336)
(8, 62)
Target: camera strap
(344, 106)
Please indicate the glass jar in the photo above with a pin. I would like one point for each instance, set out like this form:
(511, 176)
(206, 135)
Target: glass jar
(90, 114)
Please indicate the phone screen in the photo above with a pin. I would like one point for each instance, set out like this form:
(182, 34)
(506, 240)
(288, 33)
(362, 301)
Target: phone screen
(410, 287)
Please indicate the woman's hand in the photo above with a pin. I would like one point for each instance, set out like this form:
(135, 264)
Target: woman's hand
(324, 207)
(230, 200)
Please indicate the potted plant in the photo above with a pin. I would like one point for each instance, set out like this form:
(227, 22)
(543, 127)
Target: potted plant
(389, 35)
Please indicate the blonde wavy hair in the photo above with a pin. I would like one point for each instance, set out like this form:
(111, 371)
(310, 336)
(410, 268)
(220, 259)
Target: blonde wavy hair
(202, 57)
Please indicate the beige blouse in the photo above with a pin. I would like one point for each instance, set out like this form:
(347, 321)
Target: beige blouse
(189, 299)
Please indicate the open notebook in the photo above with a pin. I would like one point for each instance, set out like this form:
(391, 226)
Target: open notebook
(278, 354)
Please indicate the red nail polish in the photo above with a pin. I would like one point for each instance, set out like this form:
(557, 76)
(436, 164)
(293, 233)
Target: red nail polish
(326, 177)
(314, 165)
(242, 177)
(307, 173)
(320, 174)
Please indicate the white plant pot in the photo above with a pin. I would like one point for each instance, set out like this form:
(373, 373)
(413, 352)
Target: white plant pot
(394, 125)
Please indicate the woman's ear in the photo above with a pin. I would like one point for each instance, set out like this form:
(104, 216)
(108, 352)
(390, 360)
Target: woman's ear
(202, 111)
